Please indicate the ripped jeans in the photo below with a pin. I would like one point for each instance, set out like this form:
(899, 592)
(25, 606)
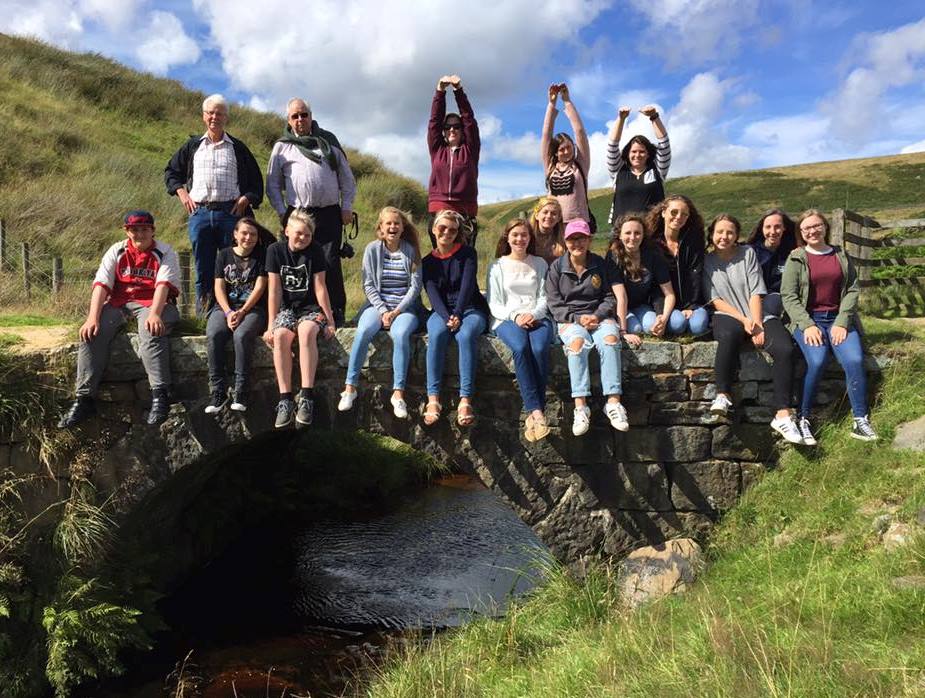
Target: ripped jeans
(578, 371)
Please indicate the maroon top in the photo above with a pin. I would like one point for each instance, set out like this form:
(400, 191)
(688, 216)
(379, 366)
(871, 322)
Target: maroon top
(825, 281)
(454, 172)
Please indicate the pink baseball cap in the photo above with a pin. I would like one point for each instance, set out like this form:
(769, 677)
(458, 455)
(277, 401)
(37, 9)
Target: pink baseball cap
(577, 227)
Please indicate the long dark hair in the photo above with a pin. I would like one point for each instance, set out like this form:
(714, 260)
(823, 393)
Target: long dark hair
(552, 150)
(788, 240)
(655, 223)
(645, 143)
(504, 247)
(621, 256)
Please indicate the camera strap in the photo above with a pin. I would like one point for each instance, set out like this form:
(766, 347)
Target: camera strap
(352, 229)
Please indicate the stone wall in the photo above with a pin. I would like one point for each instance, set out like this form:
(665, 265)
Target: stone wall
(606, 492)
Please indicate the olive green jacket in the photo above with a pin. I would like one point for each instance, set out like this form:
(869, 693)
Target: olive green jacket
(794, 291)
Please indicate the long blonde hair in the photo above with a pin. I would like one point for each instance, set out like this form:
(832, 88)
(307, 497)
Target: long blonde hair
(408, 232)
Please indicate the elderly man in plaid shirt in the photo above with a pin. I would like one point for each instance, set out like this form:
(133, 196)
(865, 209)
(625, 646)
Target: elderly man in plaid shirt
(218, 181)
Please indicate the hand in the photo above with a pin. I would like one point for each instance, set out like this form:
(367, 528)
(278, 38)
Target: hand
(634, 340)
(687, 313)
(838, 335)
(443, 82)
(813, 336)
(563, 92)
(329, 330)
(589, 322)
(387, 317)
(624, 113)
(240, 206)
(346, 217)
(658, 329)
(749, 325)
(649, 111)
(234, 318)
(268, 337)
(553, 93)
(525, 320)
(453, 323)
(455, 82)
(758, 336)
(89, 329)
(154, 324)
(185, 199)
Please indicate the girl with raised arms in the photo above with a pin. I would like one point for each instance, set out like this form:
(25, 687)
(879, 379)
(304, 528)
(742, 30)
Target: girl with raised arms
(640, 168)
(566, 161)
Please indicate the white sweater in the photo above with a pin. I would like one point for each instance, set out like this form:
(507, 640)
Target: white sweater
(516, 287)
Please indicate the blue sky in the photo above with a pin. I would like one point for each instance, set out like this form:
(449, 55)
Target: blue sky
(740, 83)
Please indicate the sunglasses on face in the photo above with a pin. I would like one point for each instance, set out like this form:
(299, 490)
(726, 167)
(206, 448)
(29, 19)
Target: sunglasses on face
(299, 115)
(452, 127)
(447, 229)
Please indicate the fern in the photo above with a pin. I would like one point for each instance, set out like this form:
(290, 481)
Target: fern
(86, 632)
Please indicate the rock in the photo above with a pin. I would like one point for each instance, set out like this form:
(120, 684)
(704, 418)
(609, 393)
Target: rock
(651, 356)
(836, 540)
(783, 538)
(897, 536)
(911, 435)
(881, 524)
(912, 581)
(708, 486)
(751, 442)
(654, 571)
(672, 444)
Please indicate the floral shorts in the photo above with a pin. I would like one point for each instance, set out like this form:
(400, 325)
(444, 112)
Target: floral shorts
(287, 319)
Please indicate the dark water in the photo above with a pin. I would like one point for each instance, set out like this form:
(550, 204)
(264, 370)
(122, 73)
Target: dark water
(303, 607)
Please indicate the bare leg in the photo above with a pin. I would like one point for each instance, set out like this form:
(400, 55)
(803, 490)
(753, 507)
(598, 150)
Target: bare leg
(308, 351)
(282, 358)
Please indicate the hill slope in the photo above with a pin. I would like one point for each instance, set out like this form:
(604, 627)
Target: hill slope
(85, 139)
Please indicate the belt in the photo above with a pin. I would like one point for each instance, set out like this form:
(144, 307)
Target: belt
(313, 209)
(216, 205)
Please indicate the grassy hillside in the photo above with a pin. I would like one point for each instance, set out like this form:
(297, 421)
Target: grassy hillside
(85, 139)
(801, 598)
(891, 186)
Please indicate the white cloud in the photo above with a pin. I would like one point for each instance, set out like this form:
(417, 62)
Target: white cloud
(524, 148)
(370, 67)
(407, 154)
(166, 44)
(698, 139)
(914, 148)
(887, 60)
(693, 32)
(64, 22)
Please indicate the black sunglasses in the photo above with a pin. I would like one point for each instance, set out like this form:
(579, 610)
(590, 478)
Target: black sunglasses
(456, 125)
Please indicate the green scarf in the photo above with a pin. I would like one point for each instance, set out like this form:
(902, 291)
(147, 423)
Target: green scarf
(311, 145)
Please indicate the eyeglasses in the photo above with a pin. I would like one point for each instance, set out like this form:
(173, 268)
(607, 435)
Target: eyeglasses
(810, 228)
(299, 115)
(452, 127)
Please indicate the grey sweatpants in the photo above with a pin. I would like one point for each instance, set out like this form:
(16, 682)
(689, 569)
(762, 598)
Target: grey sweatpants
(93, 356)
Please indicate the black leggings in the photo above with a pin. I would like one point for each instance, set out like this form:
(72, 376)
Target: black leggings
(730, 336)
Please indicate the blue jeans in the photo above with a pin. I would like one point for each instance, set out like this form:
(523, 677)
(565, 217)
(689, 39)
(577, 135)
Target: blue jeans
(850, 354)
(531, 359)
(438, 336)
(578, 371)
(697, 324)
(641, 319)
(209, 231)
(368, 325)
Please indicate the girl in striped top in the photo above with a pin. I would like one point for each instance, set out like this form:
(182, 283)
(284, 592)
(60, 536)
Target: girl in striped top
(392, 283)
(640, 168)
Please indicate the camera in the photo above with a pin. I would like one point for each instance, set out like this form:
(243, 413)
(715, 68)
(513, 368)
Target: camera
(346, 250)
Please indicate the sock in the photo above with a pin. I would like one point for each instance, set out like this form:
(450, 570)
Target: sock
(285, 396)
(307, 392)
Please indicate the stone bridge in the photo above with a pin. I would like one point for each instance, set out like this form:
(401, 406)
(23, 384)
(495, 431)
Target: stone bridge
(605, 493)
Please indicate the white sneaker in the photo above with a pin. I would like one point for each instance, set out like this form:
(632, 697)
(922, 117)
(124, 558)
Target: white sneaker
(616, 413)
(581, 421)
(863, 430)
(786, 427)
(806, 431)
(346, 401)
(720, 405)
(399, 407)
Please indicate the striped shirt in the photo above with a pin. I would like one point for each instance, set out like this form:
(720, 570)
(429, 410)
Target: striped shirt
(632, 193)
(216, 171)
(394, 281)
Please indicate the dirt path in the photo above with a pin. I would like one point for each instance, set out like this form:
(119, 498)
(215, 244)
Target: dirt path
(37, 338)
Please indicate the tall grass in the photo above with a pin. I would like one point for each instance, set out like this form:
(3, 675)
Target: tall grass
(798, 599)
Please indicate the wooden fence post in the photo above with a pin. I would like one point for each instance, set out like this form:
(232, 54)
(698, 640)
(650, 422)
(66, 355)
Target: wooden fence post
(25, 271)
(837, 232)
(4, 262)
(57, 275)
(184, 258)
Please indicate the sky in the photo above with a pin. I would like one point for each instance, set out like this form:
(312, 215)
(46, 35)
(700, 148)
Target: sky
(740, 84)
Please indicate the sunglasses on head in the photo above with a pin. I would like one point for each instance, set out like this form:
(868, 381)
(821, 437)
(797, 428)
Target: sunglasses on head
(299, 115)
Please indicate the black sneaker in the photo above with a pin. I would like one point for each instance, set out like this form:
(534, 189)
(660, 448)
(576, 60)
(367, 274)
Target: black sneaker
(806, 431)
(239, 401)
(285, 410)
(160, 407)
(306, 411)
(863, 430)
(79, 410)
(217, 401)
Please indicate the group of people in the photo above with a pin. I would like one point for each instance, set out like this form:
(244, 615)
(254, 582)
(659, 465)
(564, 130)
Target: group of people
(785, 287)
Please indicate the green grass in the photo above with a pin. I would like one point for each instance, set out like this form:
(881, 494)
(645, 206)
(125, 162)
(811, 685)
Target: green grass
(813, 614)
(27, 320)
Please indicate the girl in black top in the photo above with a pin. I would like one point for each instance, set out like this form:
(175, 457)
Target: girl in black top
(239, 313)
(639, 169)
